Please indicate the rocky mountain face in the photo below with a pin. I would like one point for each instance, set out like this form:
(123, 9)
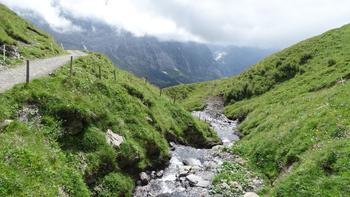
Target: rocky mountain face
(163, 63)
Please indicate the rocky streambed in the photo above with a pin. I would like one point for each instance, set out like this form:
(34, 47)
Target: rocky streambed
(192, 170)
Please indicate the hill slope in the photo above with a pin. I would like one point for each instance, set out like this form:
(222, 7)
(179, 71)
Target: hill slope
(22, 39)
(68, 117)
(294, 113)
(86, 134)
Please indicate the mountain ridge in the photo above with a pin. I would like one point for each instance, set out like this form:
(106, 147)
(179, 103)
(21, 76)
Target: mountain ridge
(164, 63)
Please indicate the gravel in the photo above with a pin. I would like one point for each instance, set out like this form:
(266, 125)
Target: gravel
(38, 68)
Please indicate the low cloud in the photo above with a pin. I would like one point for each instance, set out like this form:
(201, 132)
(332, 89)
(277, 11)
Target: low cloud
(267, 24)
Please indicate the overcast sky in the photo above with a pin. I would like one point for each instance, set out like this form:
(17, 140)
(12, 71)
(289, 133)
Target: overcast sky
(257, 23)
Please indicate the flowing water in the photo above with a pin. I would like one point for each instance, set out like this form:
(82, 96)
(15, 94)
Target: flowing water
(191, 170)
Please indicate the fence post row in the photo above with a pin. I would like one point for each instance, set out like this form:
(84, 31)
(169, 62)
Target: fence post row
(27, 73)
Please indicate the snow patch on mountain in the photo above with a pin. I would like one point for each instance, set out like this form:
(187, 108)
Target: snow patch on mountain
(220, 55)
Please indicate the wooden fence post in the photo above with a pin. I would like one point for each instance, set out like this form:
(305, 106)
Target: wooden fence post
(71, 66)
(27, 73)
(160, 91)
(115, 75)
(99, 72)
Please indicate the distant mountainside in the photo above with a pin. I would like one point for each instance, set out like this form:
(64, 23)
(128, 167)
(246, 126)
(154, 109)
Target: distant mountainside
(164, 63)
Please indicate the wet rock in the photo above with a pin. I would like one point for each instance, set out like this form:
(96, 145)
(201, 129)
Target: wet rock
(257, 183)
(172, 146)
(160, 173)
(196, 181)
(184, 182)
(183, 172)
(235, 184)
(114, 139)
(225, 186)
(5, 123)
(164, 195)
(209, 165)
(250, 194)
(144, 178)
(153, 174)
(192, 162)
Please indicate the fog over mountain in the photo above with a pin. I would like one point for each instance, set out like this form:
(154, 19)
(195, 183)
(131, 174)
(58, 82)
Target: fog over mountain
(164, 63)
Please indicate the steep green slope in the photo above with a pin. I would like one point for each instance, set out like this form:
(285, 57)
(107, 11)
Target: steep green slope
(57, 142)
(21, 36)
(294, 112)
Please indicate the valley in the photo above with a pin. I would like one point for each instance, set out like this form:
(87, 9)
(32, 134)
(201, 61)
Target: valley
(143, 116)
(163, 63)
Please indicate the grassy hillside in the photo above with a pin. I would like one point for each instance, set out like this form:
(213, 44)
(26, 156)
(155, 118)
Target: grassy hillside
(57, 144)
(18, 34)
(294, 113)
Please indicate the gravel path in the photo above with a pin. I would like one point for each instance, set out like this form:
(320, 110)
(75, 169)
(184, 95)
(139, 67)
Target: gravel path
(38, 68)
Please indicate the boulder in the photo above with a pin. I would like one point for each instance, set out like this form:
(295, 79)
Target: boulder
(250, 194)
(144, 178)
(196, 181)
(5, 123)
(149, 119)
(192, 162)
(114, 139)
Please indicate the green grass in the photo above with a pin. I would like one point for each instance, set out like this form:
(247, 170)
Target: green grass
(193, 96)
(294, 113)
(75, 114)
(29, 40)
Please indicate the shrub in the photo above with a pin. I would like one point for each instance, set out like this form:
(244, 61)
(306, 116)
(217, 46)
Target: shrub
(331, 62)
(305, 58)
(115, 184)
